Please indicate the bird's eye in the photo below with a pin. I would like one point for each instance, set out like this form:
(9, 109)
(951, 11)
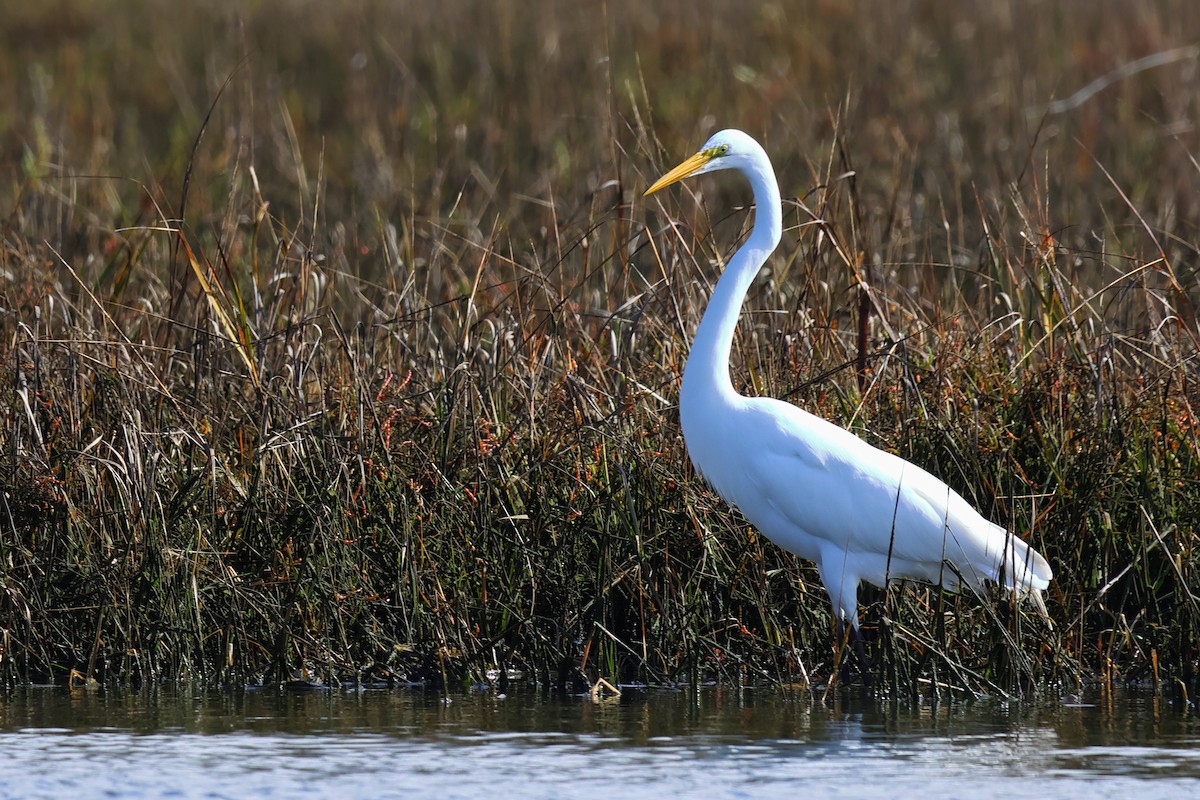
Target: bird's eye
(717, 151)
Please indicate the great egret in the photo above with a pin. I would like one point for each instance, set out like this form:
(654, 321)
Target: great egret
(815, 489)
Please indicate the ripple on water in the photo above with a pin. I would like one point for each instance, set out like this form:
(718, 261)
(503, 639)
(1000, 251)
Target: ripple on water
(392, 744)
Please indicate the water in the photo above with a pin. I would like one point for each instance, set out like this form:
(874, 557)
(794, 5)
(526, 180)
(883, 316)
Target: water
(717, 743)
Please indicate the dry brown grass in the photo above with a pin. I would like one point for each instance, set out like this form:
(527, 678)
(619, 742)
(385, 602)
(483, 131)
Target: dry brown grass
(340, 338)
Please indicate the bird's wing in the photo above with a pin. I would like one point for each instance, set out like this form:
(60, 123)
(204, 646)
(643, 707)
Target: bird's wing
(815, 487)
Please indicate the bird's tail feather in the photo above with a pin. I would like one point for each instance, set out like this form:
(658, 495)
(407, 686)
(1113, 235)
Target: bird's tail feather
(1017, 566)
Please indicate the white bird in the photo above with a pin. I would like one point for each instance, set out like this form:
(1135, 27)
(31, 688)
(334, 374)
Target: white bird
(813, 488)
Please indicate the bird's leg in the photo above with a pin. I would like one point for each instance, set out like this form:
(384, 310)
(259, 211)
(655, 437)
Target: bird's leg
(842, 640)
(860, 654)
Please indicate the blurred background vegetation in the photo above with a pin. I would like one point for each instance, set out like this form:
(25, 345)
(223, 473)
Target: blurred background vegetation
(339, 339)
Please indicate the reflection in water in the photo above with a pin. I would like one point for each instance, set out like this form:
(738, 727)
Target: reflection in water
(715, 743)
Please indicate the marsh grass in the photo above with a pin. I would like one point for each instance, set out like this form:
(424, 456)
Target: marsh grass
(340, 343)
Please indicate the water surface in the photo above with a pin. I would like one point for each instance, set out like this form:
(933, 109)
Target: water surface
(715, 742)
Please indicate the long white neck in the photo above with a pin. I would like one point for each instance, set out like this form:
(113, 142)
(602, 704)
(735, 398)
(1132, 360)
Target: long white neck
(706, 374)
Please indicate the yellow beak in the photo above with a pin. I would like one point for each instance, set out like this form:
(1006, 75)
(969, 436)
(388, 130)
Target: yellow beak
(685, 169)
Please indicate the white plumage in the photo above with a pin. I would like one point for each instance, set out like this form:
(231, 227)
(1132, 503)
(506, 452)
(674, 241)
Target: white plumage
(815, 489)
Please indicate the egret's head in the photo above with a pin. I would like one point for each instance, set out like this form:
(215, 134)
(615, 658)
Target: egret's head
(726, 149)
